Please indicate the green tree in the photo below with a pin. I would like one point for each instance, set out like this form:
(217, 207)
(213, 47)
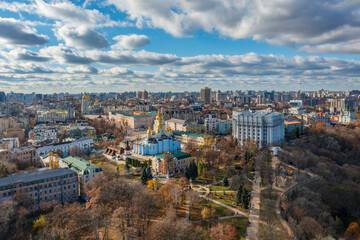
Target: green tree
(297, 132)
(225, 182)
(238, 195)
(146, 175)
(187, 173)
(245, 199)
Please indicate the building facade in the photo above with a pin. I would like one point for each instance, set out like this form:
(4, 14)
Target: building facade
(43, 132)
(4, 124)
(60, 185)
(132, 120)
(260, 126)
(63, 149)
(55, 115)
(205, 94)
(85, 170)
(218, 126)
(175, 164)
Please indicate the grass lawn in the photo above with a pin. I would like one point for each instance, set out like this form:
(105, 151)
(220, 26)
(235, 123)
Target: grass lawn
(220, 174)
(239, 223)
(228, 199)
(195, 210)
(219, 188)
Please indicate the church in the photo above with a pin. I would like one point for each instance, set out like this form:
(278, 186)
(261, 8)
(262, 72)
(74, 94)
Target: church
(157, 140)
(346, 115)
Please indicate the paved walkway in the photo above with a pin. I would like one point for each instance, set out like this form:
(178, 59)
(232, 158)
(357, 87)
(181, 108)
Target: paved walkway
(254, 216)
(235, 210)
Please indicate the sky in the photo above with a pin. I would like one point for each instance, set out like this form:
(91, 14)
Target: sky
(179, 45)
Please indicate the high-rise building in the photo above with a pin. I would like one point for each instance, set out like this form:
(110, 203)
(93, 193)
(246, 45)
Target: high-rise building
(218, 95)
(145, 95)
(260, 126)
(84, 105)
(260, 99)
(138, 94)
(205, 94)
(2, 97)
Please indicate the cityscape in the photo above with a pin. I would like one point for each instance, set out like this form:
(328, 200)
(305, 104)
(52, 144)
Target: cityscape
(179, 120)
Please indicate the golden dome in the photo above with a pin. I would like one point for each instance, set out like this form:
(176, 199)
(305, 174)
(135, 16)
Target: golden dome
(84, 96)
(160, 126)
(168, 129)
(149, 131)
(159, 116)
(158, 131)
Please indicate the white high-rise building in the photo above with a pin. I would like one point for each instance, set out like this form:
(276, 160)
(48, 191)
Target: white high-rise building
(84, 105)
(260, 126)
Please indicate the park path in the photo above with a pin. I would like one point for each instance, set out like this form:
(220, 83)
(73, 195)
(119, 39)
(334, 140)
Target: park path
(235, 210)
(254, 216)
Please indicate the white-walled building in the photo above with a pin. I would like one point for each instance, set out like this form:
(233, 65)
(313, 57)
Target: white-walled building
(83, 144)
(43, 132)
(260, 126)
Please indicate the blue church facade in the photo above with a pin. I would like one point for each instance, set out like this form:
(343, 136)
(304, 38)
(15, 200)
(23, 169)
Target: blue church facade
(157, 140)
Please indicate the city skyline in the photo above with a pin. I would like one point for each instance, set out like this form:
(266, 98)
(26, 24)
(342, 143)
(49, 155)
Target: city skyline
(129, 45)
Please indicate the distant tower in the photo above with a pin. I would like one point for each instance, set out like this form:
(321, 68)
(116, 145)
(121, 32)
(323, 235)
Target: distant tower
(84, 105)
(205, 94)
(145, 95)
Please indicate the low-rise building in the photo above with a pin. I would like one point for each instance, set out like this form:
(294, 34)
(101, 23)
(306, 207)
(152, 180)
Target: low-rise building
(132, 120)
(86, 171)
(24, 155)
(175, 124)
(117, 153)
(55, 115)
(9, 143)
(185, 137)
(218, 126)
(77, 132)
(59, 185)
(175, 164)
(43, 132)
(63, 149)
(4, 124)
(293, 127)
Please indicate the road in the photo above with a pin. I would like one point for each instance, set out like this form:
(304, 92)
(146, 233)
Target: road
(252, 230)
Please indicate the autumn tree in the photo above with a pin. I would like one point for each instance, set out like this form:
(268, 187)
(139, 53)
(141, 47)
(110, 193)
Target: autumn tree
(223, 232)
(152, 184)
(170, 228)
(353, 231)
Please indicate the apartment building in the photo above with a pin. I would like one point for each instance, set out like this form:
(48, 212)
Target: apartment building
(59, 185)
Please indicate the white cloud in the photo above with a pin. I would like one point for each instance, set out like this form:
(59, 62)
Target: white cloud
(132, 41)
(68, 12)
(288, 23)
(16, 33)
(81, 37)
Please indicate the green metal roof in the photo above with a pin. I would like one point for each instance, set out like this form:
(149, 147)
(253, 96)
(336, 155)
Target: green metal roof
(135, 116)
(190, 134)
(176, 154)
(80, 165)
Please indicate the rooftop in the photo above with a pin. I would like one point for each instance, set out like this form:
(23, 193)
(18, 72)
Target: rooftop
(189, 134)
(34, 176)
(130, 115)
(176, 154)
(80, 165)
